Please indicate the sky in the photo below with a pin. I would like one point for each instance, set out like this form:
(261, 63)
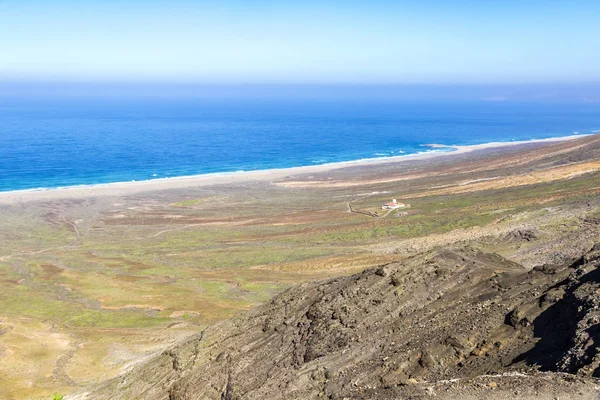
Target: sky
(300, 42)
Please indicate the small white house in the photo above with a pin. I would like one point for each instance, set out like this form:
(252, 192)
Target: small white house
(393, 205)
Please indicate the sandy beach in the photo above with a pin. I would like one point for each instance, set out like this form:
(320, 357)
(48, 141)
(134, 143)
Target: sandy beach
(270, 175)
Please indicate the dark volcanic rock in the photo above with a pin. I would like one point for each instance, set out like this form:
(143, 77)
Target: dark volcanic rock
(391, 331)
(523, 234)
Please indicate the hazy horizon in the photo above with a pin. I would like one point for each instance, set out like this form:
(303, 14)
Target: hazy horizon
(32, 91)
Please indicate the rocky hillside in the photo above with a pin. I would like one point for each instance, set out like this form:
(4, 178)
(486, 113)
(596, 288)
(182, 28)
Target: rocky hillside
(453, 323)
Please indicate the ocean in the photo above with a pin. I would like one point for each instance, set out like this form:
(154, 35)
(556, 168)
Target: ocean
(57, 141)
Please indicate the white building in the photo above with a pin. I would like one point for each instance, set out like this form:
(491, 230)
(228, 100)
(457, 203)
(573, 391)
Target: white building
(393, 205)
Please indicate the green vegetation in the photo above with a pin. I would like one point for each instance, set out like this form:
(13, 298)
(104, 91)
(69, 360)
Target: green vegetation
(189, 203)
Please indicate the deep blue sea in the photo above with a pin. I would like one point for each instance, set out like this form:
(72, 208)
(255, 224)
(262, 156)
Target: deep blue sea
(55, 142)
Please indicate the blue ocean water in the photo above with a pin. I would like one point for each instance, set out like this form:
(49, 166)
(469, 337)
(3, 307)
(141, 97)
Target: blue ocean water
(50, 142)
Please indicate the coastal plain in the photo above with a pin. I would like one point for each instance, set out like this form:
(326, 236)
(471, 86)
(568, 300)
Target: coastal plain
(95, 281)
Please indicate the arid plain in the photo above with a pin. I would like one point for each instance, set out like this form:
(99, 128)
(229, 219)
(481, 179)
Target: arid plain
(93, 283)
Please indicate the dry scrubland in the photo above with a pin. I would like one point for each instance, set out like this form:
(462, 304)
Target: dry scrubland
(92, 285)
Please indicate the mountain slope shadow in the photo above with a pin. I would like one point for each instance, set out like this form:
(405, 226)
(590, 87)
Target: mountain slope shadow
(569, 330)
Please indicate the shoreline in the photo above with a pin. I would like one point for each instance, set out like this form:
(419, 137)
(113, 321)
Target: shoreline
(182, 182)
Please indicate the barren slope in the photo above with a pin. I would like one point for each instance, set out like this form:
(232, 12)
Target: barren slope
(390, 331)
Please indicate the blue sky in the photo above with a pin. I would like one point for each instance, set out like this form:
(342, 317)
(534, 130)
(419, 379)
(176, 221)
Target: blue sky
(377, 41)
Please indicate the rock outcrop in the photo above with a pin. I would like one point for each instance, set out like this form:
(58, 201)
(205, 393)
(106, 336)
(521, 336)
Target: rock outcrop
(453, 323)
